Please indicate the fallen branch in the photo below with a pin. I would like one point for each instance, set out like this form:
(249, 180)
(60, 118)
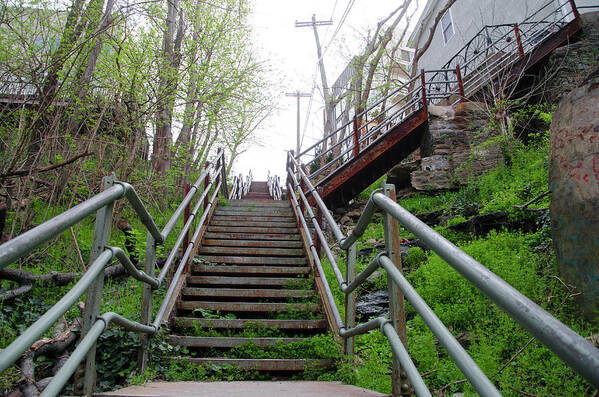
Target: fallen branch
(441, 391)
(44, 169)
(13, 293)
(27, 280)
(534, 200)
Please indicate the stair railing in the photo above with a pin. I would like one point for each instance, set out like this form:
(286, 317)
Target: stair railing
(569, 346)
(248, 183)
(92, 280)
(274, 186)
(494, 50)
(236, 188)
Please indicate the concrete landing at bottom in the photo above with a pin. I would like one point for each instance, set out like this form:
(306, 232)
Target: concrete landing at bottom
(243, 389)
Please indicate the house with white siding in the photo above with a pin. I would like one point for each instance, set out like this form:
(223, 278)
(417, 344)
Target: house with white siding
(465, 19)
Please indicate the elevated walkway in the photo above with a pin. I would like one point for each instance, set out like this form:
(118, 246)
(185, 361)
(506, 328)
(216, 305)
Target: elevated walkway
(359, 152)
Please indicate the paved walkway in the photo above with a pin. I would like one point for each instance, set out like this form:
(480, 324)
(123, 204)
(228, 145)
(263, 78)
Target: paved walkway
(245, 389)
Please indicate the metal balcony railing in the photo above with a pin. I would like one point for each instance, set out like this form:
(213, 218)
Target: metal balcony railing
(570, 347)
(493, 51)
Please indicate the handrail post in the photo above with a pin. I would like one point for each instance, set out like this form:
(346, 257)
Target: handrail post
(186, 216)
(574, 9)
(458, 73)
(206, 183)
(317, 243)
(519, 40)
(423, 88)
(93, 299)
(350, 299)
(356, 138)
(223, 174)
(302, 187)
(146, 304)
(399, 382)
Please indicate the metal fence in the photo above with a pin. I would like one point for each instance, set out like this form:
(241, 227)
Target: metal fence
(570, 347)
(92, 281)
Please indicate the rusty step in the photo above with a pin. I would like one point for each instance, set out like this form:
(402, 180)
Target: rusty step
(242, 323)
(243, 218)
(251, 243)
(259, 203)
(244, 211)
(252, 223)
(225, 342)
(271, 364)
(258, 281)
(249, 306)
(245, 236)
(246, 293)
(286, 270)
(252, 230)
(251, 260)
(254, 251)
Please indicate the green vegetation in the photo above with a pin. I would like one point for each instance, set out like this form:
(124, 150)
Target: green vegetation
(523, 259)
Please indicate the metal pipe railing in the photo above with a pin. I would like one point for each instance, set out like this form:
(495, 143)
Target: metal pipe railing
(572, 348)
(70, 366)
(327, 288)
(21, 245)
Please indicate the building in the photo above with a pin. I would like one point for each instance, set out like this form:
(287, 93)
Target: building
(469, 26)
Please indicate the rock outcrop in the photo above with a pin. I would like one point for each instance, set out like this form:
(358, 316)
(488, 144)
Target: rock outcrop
(454, 150)
(574, 181)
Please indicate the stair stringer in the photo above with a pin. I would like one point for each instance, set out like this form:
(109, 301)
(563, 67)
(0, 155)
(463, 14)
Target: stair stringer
(182, 282)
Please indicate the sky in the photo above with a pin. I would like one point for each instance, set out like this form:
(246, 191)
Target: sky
(291, 53)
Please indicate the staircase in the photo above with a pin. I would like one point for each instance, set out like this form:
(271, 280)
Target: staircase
(365, 148)
(251, 282)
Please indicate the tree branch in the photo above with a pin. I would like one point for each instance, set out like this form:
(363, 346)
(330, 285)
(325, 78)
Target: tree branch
(44, 169)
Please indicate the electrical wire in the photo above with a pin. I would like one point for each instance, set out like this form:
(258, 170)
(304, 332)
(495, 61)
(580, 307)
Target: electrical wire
(346, 12)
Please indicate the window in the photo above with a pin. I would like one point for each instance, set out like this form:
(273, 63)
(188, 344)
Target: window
(447, 26)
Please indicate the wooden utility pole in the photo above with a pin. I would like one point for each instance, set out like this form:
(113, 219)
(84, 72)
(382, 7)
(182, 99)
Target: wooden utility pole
(298, 95)
(328, 124)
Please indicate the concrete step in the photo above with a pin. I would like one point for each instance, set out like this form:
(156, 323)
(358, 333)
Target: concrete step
(249, 307)
(243, 388)
(246, 236)
(274, 270)
(242, 281)
(237, 323)
(246, 293)
(289, 365)
(254, 251)
(250, 260)
(209, 242)
(225, 342)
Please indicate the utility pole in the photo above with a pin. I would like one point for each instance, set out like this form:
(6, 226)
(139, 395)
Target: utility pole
(298, 95)
(328, 125)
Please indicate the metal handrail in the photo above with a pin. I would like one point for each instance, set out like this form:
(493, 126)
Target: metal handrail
(569, 346)
(26, 242)
(274, 186)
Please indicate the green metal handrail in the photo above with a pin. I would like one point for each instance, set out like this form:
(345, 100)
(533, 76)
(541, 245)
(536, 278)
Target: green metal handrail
(100, 257)
(569, 346)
